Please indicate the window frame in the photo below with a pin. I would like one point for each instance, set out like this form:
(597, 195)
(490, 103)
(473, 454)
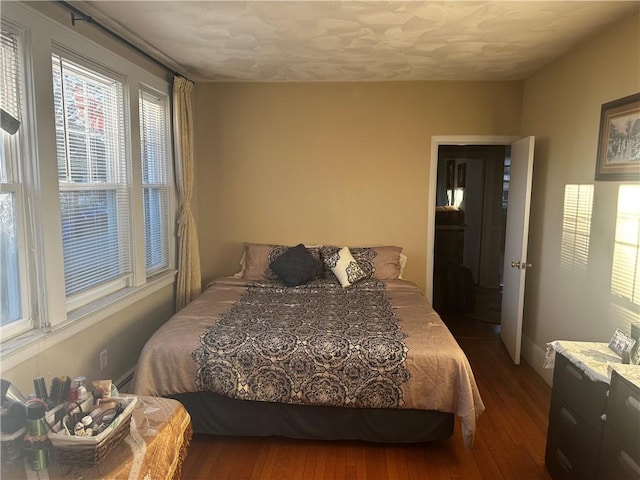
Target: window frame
(17, 148)
(124, 244)
(169, 185)
(54, 321)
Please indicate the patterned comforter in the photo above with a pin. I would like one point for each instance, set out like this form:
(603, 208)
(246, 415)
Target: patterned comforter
(373, 345)
(317, 344)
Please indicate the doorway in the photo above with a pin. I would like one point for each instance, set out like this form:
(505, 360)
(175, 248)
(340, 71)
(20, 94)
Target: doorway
(437, 142)
(472, 185)
(516, 231)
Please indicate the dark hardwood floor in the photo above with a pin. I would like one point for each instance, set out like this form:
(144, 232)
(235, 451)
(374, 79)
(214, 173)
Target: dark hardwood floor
(510, 437)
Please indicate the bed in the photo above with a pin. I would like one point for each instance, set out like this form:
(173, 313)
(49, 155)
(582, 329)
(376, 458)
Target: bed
(314, 342)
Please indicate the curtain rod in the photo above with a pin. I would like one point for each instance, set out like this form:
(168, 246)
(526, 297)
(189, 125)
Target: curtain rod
(89, 19)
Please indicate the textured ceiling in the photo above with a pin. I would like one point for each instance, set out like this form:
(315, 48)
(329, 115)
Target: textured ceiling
(307, 41)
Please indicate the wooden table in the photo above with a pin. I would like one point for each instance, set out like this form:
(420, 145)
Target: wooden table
(154, 449)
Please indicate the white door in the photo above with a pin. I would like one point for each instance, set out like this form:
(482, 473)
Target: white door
(515, 251)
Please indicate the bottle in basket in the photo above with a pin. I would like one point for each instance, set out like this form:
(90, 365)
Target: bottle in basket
(36, 441)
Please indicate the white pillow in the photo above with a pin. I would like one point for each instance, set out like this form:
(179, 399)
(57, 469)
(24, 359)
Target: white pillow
(345, 268)
(242, 265)
(403, 263)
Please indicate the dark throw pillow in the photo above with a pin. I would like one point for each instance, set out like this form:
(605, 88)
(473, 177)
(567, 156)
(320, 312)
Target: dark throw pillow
(296, 266)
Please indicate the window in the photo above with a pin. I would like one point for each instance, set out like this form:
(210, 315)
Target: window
(14, 292)
(86, 185)
(625, 275)
(92, 176)
(155, 189)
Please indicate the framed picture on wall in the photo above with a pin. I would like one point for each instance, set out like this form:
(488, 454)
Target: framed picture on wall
(619, 140)
(461, 175)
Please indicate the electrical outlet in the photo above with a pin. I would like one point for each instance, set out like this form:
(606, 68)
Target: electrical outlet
(104, 359)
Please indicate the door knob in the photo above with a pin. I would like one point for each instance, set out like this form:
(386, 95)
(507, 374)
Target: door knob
(521, 265)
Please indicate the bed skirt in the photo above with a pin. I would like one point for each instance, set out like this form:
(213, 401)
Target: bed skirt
(218, 415)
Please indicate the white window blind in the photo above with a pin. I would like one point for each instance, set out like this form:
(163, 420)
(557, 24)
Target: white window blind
(14, 294)
(10, 86)
(92, 177)
(155, 190)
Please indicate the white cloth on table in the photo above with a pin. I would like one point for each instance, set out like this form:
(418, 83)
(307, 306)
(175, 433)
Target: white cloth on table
(593, 358)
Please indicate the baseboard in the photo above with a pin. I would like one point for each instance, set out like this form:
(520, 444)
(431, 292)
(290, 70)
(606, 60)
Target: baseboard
(534, 355)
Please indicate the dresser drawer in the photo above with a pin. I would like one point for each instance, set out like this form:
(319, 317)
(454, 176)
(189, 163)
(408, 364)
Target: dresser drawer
(573, 444)
(586, 397)
(616, 460)
(565, 465)
(623, 413)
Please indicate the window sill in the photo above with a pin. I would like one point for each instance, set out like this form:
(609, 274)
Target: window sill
(26, 346)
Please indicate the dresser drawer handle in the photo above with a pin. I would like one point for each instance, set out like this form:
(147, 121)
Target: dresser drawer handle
(564, 461)
(568, 418)
(632, 403)
(574, 372)
(628, 462)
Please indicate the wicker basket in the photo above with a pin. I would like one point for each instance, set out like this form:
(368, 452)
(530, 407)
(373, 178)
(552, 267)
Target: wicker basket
(12, 446)
(90, 451)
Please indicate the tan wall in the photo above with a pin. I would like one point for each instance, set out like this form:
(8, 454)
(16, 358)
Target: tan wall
(123, 335)
(343, 163)
(562, 109)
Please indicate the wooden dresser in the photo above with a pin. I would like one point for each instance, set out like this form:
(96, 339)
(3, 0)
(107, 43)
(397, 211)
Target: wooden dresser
(620, 449)
(575, 423)
(594, 419)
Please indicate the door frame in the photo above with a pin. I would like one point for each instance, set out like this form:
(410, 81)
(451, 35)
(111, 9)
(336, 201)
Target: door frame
(436, 141)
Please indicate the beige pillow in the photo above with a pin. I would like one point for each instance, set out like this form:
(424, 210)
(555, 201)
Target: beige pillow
(380, 263)
(386, 262)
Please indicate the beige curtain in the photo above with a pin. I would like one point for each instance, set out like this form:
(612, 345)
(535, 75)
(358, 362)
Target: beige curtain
(189, 282)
